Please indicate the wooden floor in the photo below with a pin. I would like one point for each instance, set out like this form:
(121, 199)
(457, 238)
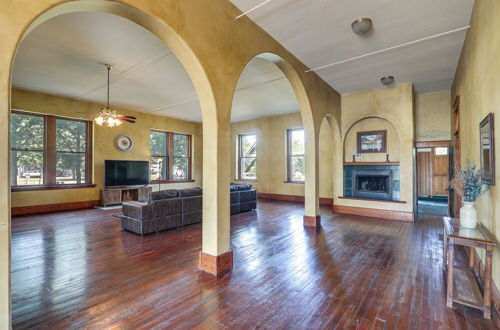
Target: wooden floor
(77, 269)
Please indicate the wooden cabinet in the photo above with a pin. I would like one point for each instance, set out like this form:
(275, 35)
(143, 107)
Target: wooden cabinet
(116, 196)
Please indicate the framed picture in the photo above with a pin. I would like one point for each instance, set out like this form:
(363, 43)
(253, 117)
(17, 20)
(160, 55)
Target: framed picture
(372, 141)
(487, 141)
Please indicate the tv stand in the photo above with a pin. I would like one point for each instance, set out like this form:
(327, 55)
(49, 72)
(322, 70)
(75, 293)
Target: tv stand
(119, 195)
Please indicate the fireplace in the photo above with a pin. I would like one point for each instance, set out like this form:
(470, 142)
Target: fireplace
(372, 184)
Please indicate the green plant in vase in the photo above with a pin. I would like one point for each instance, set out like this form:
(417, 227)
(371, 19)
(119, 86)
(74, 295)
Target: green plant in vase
(469, 185)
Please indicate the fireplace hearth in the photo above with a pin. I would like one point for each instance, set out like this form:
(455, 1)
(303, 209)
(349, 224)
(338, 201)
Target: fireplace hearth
(372, 184)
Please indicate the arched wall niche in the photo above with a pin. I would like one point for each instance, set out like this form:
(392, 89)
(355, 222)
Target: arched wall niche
(374, 123)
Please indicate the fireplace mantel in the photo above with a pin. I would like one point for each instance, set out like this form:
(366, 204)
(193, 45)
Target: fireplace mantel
(371, 163)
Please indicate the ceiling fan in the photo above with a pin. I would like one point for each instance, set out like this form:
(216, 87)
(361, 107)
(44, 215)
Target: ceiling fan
(108, 116)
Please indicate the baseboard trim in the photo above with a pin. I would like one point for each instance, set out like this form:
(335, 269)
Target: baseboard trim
(495, 293)
(35, 209)
(374, 213)
(312, 221)
(292, 198)
(215, 265)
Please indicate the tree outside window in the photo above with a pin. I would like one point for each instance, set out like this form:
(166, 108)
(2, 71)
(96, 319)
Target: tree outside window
(48, 150)
(170, 156)
(296, 160)
(247, 156)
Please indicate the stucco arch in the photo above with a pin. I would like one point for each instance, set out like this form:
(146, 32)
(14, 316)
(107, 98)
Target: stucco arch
(160, 28)
(295, 82)
(311, 127)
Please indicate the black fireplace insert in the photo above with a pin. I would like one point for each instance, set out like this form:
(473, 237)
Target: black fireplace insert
(373, 184)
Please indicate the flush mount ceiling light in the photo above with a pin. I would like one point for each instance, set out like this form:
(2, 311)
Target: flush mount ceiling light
(361, 25)
(107, 116)
(387, 80)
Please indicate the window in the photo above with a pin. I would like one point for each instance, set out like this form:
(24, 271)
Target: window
(247, 156)
(296, 160)
(170, 156)
(48, 151)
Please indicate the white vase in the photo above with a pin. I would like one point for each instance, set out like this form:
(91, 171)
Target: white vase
(468, 215)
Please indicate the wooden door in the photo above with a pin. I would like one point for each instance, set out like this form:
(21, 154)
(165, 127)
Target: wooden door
(424, 172)
(440, 172)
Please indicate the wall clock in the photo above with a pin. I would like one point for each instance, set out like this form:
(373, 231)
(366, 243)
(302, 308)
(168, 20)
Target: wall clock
(124, 143)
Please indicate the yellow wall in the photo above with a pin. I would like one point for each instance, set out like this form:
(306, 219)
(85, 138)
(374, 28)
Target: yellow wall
(372, 124)
(214, 48)
(103, 146)
(432, 116)
(477, 82)
(395, 105)
(271, 154)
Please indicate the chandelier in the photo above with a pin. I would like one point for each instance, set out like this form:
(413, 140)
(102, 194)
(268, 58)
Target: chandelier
(108, 116)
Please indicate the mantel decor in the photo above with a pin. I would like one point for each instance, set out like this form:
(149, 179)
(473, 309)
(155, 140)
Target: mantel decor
(372, 142)
(487, 141)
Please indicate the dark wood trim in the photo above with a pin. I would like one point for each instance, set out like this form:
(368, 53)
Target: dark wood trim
(371, 163)
(358, 141)
(296, 182)
(34, 209)
(491, 120)
(374, 200)
(374, 213)
(312, 221)
(289, 154)
(50, 151)
(171, 181)
(54, 187)
(240, 136)
(170, 156)
(292, 198)
(215, 265)
(433, 144)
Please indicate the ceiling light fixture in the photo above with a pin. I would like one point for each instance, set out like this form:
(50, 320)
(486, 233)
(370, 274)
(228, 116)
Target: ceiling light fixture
(107, 116)
(361, 25)
(389, 49)
(386, 81)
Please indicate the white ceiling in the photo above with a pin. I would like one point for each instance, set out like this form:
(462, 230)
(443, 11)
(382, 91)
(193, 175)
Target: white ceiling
(65, 56)
(319, 32)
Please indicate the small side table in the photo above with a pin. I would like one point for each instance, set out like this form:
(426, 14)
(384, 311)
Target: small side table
(462, 285)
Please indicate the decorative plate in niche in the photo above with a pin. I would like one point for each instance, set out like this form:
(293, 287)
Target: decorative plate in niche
(124, 143)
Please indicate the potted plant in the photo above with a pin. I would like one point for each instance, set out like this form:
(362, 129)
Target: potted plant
(469, 185)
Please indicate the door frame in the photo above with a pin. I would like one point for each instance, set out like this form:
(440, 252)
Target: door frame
(431, 144)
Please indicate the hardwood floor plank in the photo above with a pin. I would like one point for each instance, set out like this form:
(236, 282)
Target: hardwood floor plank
(77, 269)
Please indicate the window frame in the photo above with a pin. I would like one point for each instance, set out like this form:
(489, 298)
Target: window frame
(240, 157)
(50, 154)
(289, 155)
(170, 157)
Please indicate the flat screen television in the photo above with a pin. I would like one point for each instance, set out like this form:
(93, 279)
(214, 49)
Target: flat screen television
(126, 173)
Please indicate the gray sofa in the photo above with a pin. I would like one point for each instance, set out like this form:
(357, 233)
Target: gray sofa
(173, 208)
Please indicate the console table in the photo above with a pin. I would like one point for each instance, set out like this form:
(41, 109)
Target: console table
(462, 284)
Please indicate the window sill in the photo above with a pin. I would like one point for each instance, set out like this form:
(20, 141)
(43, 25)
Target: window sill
(296, 182)
(171, 181)
(249, 180)
(55, 187)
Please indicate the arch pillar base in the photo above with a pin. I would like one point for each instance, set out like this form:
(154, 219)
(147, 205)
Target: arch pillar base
(215, 265)
(312, 221)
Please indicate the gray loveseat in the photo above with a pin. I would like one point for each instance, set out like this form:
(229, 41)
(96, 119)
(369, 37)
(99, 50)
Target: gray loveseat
(173, 208)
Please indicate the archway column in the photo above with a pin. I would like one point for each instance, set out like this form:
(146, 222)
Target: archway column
(216, 257)
(312, 217)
